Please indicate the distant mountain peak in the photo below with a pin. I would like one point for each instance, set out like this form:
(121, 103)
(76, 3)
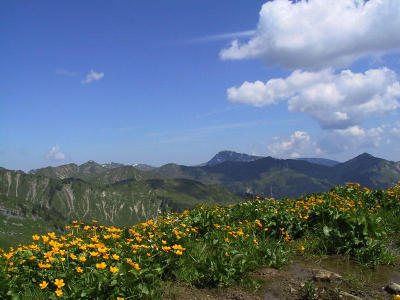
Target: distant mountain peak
(91, 167)
(90, 162)
(143, 167)
(364, 156)
(227, 155)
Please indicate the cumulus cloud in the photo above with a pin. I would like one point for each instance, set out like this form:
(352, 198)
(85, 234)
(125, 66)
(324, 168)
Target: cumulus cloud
(298, 143)
(55, 153)
(352, 138)
(335, 101)
(92, 75)
(316, 34)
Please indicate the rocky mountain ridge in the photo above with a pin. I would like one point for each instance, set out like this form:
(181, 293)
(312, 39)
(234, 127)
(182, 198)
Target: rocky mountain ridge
(37, 203)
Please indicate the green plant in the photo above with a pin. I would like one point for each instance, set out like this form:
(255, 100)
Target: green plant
(308, 291)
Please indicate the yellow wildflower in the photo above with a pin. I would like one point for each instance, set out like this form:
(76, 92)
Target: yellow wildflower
(166, 248)
(59, 283)
(94, 253)
(178, 247)
(43, 285)
(44, 266)
(103, 265)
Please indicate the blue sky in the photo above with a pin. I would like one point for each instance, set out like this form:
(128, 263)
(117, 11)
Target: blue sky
(177, 81)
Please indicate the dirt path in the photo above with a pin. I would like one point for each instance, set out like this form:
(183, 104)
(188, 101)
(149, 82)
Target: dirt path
(332, 277)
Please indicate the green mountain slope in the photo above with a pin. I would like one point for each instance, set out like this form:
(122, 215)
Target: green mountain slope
(267, 176)
(64, 171)
(320, 161)
(94, 173)
(55, 202)
(71, 170)
(115, 175)
(370, 171)
(288, 177)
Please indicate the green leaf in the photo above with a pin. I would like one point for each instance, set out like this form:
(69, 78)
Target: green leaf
(326, 230)
(114, 282)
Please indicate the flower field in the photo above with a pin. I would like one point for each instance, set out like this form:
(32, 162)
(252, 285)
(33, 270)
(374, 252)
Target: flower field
(205, 247)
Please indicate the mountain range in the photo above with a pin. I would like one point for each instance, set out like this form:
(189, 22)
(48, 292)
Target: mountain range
(116, 194)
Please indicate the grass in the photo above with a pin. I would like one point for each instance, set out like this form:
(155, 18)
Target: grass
(204, 247)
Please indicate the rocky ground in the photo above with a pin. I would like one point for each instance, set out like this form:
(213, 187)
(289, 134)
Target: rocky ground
(332, 277)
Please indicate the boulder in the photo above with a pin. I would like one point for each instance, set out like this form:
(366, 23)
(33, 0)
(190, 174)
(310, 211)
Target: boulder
(325, 275)
(393, 288)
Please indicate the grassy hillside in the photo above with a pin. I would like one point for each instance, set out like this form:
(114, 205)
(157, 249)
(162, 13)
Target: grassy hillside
(52, 203)
(288, 177)
(266, 176)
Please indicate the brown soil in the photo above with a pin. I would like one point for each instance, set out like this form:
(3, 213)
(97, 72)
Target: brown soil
(288, 282)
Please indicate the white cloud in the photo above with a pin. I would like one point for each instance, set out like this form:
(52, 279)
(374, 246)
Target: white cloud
(92, 75)
(55, 153)
(352, 138)
(298, 142)
(316, 34)
(335, 101)
(396, 129)
(65, 72)
(225, 36)
(353, 131)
